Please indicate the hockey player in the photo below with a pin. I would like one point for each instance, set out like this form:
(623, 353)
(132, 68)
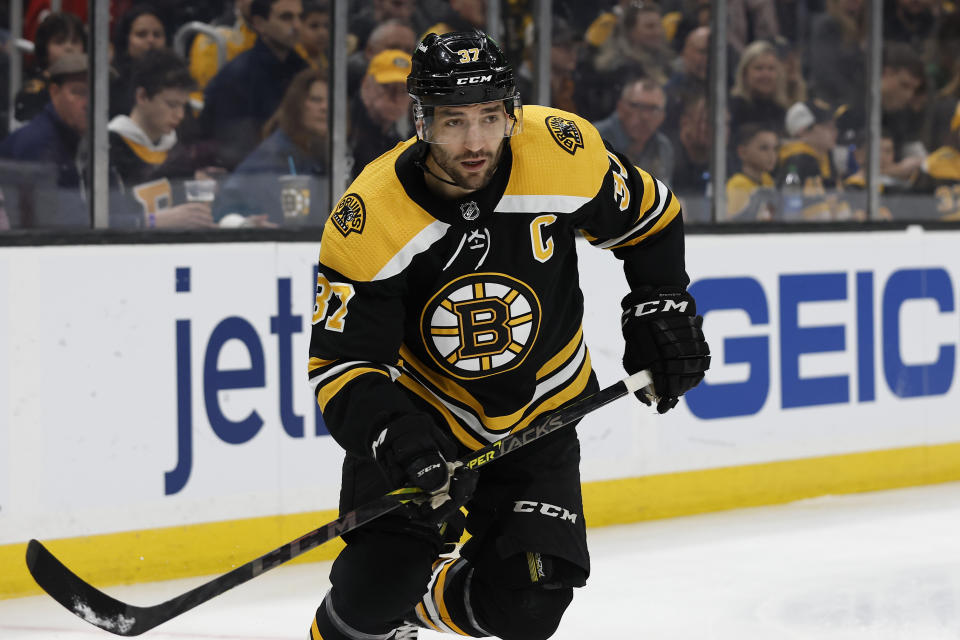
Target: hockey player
(447, 315)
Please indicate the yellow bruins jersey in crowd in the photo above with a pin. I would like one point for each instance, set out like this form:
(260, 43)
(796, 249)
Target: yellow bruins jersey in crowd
(470, 309)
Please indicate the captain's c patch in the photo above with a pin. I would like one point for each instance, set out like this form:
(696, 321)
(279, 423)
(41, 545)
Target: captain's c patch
(349, 215)
(566, 133)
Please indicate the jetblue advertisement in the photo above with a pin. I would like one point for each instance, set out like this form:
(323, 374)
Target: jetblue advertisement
(166, 384)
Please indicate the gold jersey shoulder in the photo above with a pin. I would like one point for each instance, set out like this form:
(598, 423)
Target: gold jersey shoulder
(374, 221)
(557, 152)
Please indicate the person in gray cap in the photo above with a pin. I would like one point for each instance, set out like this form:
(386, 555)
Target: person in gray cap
(53, 137)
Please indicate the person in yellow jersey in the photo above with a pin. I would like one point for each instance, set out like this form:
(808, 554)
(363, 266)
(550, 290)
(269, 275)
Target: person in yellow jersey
(941, 174)
(448, 315)
(751, 194)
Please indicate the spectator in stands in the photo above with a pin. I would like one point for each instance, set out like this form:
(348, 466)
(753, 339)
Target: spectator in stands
(751, 195)
(37, 11)
(147, 165)
(634, 128)
(808, 156)
(247, 91)
(392, 34)
(295, 144)
(942, 167)
(53, 138)
(376, 13)
(637, 45)
(910, 22)
(315, 33)
(691, 167)
(138, 31)
(239, 37)
(689, 78)
(377, 114)
(688, 16)
(461, 15)
(759, 89)
(564, 57)
(750, 17)
(947, 70)
(858, 179)
(901, 77)
(837, 52)
(602, 26)
(58, 35)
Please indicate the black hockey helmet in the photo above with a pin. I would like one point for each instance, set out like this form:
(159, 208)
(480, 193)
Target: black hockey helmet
(460, 68)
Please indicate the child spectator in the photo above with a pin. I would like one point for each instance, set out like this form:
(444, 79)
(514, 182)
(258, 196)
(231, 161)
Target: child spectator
(295, 144)
(58, 35)
(315, 33)
(144, 154)
(807, 158)
(856, 183)
(759, 89)
(751, 195)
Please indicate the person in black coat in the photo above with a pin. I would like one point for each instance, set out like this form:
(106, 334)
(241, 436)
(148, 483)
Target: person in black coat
(247, 91)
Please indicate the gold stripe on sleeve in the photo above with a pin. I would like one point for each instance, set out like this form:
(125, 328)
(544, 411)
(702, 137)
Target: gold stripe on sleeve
(334, 387)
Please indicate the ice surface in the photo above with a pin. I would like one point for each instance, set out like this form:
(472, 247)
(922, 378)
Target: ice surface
(877, 566)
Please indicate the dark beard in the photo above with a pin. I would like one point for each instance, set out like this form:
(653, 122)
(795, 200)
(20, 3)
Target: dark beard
(452, 169)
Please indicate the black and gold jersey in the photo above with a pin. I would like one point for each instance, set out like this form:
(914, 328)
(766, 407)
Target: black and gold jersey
(818, 177)
(144, 171)
(471, 309)
(941, 177)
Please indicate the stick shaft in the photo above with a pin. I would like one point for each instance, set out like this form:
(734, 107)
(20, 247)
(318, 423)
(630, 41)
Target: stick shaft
(110, 614)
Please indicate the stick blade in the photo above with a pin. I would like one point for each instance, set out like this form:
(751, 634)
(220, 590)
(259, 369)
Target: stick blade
(81, 599)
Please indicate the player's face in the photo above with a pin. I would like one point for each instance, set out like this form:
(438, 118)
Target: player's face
(469, 141)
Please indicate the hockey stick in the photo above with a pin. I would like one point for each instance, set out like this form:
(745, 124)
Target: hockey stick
(110, 614)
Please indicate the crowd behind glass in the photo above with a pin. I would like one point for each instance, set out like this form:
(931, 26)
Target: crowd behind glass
(227, 125)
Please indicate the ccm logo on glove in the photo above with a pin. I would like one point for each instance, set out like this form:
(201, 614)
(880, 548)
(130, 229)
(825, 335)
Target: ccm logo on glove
(663, 333)
(656, 306)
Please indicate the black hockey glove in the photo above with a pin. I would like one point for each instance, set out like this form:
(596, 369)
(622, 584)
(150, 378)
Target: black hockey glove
(662, 332)
(412, 451)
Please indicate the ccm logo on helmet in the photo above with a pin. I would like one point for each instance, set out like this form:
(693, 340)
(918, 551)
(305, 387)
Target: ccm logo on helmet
(526, 506)
(474, 79)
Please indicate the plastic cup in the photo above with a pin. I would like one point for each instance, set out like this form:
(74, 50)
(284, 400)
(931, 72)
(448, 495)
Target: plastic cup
(200, 190)
(295, 198)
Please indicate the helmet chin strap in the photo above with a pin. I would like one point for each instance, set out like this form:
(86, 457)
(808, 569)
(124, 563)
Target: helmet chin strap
(423, 165)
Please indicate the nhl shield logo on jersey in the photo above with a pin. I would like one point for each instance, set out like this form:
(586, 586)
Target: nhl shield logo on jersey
(566, 133)
(349, 215)
(480, 325)
(470, 210)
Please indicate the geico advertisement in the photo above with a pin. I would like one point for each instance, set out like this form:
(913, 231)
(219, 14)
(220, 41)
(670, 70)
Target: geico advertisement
(159, 385)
